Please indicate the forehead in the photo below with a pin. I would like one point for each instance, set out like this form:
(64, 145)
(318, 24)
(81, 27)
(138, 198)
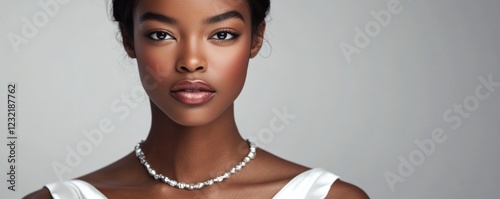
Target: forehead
(192, 10)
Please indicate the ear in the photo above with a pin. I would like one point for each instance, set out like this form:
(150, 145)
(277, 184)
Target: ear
(257, 40)
(128, 42)
(130, 50)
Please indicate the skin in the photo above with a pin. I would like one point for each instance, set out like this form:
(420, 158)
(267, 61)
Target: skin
(192, 143)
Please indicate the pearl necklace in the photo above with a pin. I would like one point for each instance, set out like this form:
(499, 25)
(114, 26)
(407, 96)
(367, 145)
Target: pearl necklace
(199, 185)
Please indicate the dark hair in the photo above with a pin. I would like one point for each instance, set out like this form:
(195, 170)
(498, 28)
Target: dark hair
(123, 12)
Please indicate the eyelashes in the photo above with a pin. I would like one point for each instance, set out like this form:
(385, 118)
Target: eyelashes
(159, 35)
(225, 35)
(220, 35)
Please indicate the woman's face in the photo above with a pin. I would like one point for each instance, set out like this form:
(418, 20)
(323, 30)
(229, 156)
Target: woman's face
(193, 55)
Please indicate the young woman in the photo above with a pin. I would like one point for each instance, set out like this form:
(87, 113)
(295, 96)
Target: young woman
(193, 57)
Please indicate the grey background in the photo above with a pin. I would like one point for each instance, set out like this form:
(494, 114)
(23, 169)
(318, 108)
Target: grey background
(355, 119)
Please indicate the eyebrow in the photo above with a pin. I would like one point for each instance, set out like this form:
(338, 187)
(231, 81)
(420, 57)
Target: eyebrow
(224, 16)
(211, 20)
(157, 17)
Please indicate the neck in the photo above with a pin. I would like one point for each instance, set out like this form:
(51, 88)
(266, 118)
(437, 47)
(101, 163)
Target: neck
(193, 154)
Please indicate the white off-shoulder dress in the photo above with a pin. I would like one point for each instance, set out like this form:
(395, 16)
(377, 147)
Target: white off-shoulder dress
(311, 184)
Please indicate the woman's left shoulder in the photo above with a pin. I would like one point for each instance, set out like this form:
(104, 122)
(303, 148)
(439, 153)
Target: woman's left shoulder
(345, 190)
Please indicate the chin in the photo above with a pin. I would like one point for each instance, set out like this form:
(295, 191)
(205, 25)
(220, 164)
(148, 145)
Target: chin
(193, 117)
(191, 122)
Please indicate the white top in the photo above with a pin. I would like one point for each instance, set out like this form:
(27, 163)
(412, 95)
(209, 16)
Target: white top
(311, 184)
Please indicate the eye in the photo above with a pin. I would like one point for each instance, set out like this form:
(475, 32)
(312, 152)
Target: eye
(158, 35)
(224, 35)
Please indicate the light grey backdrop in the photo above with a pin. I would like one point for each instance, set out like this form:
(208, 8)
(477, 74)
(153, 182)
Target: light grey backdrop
(404, 107)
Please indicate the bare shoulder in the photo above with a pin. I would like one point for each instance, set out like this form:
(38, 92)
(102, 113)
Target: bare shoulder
(123, 171)
(42, 193)
(113, 174)
(345, 190)
(275, 167)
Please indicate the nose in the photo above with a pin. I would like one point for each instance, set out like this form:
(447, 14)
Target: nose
(191, 58)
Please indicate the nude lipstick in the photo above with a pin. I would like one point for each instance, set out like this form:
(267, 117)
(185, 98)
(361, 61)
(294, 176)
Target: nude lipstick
(192, 92)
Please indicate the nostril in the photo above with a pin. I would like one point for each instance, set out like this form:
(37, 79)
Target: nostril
(199, 68)
(184, 69)
(187, 69)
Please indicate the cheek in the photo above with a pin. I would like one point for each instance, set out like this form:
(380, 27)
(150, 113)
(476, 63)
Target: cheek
(155, 62)
(230, 65)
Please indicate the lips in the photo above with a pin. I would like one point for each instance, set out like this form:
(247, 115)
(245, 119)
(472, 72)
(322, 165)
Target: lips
(192, 92)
